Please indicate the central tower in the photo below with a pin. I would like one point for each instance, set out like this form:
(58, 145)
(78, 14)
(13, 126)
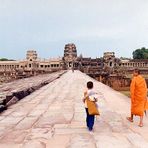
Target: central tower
(70, 55)
(31, 55)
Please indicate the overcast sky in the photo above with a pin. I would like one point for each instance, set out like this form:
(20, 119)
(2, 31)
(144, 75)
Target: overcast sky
(95, 26)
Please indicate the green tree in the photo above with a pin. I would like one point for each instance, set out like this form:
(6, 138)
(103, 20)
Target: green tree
(5, 59)
(140, 53)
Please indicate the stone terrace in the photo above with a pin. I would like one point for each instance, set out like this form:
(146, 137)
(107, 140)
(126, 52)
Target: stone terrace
(54, 117)
(18, 89)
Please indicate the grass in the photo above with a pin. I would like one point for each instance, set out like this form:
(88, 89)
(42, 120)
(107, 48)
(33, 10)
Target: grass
(126, 93)
(130, 76)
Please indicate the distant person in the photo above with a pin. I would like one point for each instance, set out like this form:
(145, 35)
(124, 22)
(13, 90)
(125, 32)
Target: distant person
(73, 70)
(92, 96)
(138, 92)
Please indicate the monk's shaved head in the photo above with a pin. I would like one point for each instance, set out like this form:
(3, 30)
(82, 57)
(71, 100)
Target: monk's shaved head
(137, 71)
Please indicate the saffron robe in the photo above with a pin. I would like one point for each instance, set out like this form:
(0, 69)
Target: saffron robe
(138, 90)
(146, 105)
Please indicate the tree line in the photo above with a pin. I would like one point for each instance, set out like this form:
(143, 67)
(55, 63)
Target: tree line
(5, 59)
(140, 53)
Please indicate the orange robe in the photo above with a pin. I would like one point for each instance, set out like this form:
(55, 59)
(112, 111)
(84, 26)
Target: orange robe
(146, 105)
(138, 90)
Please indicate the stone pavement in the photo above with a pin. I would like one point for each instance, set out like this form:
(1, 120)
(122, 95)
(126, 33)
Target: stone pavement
(11, 92)
(54, 117)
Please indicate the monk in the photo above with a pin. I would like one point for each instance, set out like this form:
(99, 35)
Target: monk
(138, 91)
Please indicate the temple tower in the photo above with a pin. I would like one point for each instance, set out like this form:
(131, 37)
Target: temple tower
(31, 55)
(32, 63)
(70, 55)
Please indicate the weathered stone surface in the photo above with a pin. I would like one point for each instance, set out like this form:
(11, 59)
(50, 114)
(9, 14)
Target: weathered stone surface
(82, 141)
(16, 90)
(10, 121)
(63, 131)
(34, 144)
(137, 140)
(14, 136)
(59, 141)
(54, 117)
(40, 133)
(108, 140)
(43, 123)
(26, 123)
(10, 145)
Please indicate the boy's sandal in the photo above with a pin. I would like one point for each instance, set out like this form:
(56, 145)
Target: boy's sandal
(129, 119)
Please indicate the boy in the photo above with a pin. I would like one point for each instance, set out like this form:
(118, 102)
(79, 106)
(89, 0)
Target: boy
(92, 97)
